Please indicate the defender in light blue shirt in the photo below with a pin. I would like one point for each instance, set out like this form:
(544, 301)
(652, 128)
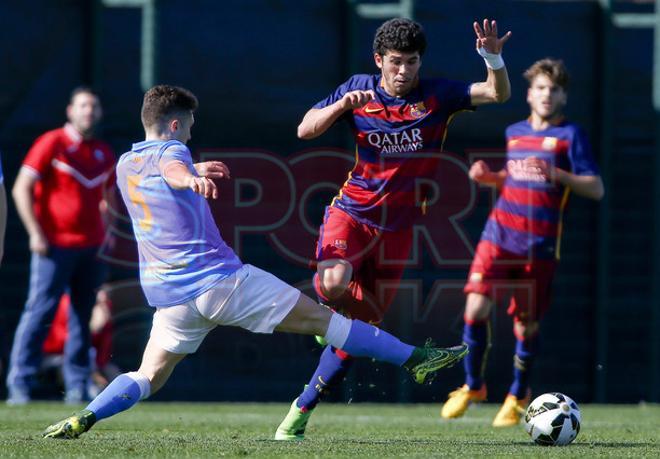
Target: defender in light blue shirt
(182, 254)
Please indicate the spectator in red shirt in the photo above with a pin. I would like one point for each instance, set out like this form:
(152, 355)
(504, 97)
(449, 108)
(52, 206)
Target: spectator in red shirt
(58, 193)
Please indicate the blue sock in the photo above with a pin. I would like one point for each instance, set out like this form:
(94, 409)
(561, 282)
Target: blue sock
(333, 366)
(522, 364)
(477, 336)
(122, 393)
(365, 340)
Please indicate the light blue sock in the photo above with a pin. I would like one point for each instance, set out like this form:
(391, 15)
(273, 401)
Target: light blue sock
(121, 394)
(359, 339)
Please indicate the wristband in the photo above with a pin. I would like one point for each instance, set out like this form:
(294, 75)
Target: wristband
(493, 61)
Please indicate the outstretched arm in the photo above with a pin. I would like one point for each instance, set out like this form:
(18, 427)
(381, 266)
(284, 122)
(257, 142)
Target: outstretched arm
(481, 173)
(318, 120)
(178, 176)
(496, 88)
(24, 200)
(588, 186)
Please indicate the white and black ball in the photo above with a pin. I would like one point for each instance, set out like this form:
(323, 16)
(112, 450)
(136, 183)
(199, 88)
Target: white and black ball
(553, 419)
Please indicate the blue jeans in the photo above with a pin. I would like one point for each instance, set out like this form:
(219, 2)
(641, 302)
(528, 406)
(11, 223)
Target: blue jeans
(82, 273)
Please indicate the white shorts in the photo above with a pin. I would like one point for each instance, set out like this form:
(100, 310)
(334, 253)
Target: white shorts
(250, 298)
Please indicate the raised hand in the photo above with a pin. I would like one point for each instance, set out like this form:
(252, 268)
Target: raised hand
(357, 99)
(487, 37)
(212, 169)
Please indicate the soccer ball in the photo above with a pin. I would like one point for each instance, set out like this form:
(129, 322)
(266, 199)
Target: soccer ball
(552, 419)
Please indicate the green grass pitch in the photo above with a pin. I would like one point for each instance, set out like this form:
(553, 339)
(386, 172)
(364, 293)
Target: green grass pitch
(336, 430)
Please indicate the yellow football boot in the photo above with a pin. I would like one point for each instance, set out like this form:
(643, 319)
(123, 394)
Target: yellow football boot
(511, 411)
(459, 400)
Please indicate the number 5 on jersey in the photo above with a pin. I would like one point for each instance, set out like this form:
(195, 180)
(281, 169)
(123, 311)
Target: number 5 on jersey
(137, 198)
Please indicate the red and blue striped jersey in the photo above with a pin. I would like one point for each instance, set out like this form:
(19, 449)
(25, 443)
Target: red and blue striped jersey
(393, 137)
(527, 218)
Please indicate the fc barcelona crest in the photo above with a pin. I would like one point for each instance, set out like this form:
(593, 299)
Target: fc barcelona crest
(549, 143)
(341, 244)
(418, 110)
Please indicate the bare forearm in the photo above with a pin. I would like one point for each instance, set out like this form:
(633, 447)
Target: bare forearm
(318, 120)
(499, 81)
(496, 88)
(494, 179)
(24, 206)
(589, 186)
(497, 178)
(177, 175)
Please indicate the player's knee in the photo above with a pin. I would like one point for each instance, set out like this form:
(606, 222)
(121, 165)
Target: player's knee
(525, 329)
(306, 317)
(477, 307)
(334, 276)
(334, 289)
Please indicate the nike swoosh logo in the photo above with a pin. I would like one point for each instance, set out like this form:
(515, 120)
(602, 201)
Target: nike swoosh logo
(373, 109)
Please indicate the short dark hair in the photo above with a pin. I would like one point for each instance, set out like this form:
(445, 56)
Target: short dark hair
(82, 90)
(163, 101)
(400, 34)
(552, 68)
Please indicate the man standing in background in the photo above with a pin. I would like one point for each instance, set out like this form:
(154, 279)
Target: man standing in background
(58, 193)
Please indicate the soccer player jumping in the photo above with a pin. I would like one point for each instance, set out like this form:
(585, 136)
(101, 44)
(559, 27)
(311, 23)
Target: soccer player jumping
(196, 282)
(399, 122)
(547, 158)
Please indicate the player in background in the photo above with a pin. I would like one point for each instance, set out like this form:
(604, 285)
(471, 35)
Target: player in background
(396, 118)
(101, 331)
(196, 282)
(547, 158)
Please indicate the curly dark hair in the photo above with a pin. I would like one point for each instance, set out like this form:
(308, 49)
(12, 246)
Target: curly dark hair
(552, 68)
(400, 34)
(163, 101)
